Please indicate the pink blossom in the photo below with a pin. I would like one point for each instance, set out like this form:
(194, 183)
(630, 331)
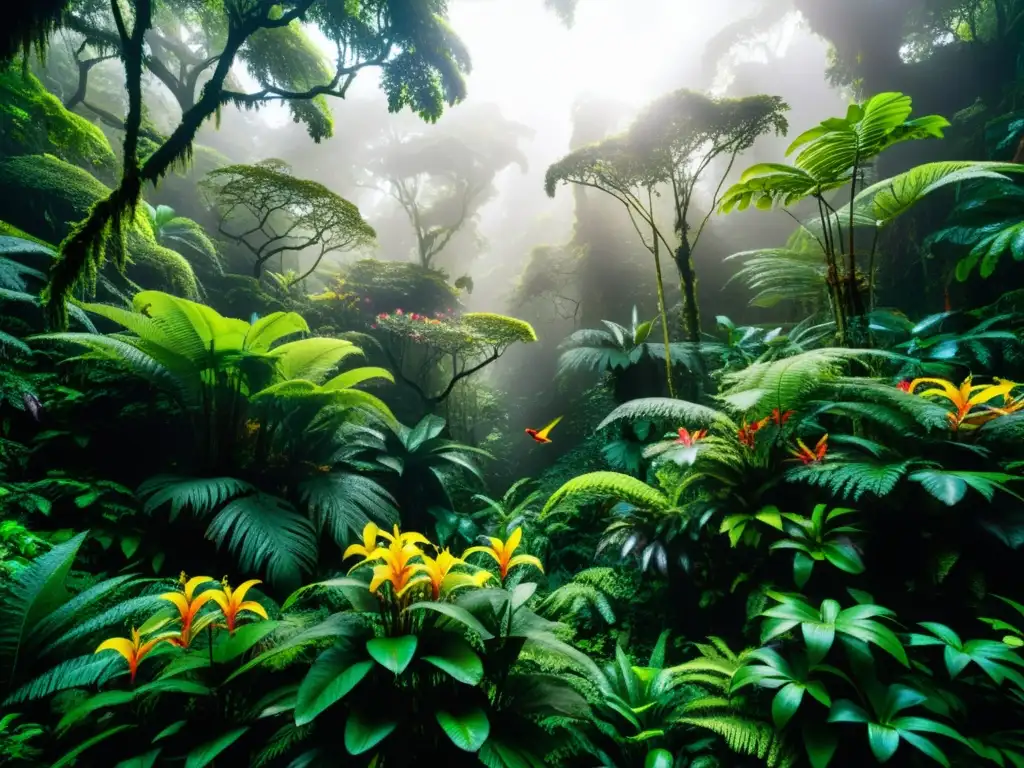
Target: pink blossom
(398, 311)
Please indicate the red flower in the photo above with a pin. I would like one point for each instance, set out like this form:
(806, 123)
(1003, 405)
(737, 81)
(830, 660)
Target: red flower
(746, 433)
(904, 386)
(687, 439)
(807, 455)
(780, 417)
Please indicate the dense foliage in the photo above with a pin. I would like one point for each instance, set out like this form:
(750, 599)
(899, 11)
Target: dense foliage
(787, 545)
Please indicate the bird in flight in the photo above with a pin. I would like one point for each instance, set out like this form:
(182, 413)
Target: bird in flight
(541, 435)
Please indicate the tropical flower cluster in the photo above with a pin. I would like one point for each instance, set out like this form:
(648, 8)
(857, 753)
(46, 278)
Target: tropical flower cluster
(400, 315)
(399, 561)
(971, 403)
(230, 605)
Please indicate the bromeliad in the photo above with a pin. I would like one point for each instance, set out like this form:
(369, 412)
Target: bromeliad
(232, 602)
(501, 552)
(189, 604)
(134, 650)
(689, 438)
(969, 400)
(810, 456)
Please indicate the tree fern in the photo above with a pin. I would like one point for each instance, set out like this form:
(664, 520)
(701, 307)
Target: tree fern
(665, 409)
(781, 274)
(266, 536)
(785, 384)
(610, 485)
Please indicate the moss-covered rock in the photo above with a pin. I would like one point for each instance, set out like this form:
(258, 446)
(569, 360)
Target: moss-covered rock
(44, 196)
(33, 122)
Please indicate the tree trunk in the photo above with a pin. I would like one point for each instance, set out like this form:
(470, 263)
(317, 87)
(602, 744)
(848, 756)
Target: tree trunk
(688, 288)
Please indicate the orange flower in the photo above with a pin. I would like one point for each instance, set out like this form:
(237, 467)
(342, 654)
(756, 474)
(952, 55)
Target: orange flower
(501, 552)
(232, 602)
(780, 417)
(188, 605)
(809, 456)
(134, 650)
(688, 439)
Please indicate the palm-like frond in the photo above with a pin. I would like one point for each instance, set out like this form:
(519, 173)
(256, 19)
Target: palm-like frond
(266, 535)
(668, 410)
(785, 384)
(200, 495)
(781, 274)
(613, 485)
(341, 503)
(852, 479)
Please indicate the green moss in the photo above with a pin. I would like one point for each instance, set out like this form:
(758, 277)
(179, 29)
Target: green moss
(9, 230)
(44, 196)
(391, 285)
(33, 121)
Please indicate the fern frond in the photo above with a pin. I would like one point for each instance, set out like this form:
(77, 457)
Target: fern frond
(286, 737)
(786, 384)
(200, 495)
(927, 413)
(746, 736)
(267, 536)
(610, 485)
(78, 672)
(668, 410)
(851, 480)
(342, 503)
(574, 598)
(36, 591)
(120, 616)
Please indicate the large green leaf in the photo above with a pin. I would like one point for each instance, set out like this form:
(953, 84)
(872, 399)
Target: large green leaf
(468, 730)
(394, 653)
(35, 592)
(457, 613)
(362, 733)
(204, 754)
(456, 657)
(335, 672)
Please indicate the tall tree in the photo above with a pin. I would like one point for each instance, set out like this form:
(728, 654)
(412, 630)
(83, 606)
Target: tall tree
(614, 168)
(422, 59)
(441, 178)
(681, 135)
(270, 212)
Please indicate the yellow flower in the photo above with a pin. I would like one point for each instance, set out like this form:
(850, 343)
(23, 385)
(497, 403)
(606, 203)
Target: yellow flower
(501, 552)
(405, 538)
(134, 650)
(232, 602)
(440, 573)
(188, 605)
(966, 398)
(397, 569)
(370, 534)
